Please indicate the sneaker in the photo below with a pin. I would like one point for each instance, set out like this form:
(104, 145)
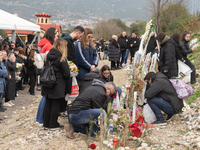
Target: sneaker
(38, 89)
(160, 122)
(169, 117)
(7, 104)
(11, 103)
(64, 114)
(60, 127)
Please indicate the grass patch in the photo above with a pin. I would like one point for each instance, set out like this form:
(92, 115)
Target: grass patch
(182, 132)
(193, 98)
(5, 136)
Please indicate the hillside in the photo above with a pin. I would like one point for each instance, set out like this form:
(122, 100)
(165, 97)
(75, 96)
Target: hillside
(126, 10)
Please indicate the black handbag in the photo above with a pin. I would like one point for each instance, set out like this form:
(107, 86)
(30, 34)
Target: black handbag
(47, 76)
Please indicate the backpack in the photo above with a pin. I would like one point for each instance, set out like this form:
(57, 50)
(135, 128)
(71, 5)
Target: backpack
(47, 76)
(38, 61)
(183, 90)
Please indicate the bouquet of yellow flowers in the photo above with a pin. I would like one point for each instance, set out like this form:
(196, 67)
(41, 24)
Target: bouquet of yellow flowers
(73, 68)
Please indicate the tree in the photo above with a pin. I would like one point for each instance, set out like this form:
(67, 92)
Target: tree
(106, 28)
(68, 30)
(3, 33)
(159, 7)
(138, 27)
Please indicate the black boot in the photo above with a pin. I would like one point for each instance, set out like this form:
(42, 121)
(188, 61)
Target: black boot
(2, 109)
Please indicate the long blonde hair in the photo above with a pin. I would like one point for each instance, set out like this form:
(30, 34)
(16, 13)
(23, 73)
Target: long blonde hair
(61, 46)
(84, 39)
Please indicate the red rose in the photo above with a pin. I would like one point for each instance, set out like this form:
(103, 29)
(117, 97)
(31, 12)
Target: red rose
(197, 75)
(140, 119)
(136, 132)
(92, 146)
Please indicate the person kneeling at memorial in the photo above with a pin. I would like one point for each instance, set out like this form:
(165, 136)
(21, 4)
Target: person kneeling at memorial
(87, 105)
(162, 96)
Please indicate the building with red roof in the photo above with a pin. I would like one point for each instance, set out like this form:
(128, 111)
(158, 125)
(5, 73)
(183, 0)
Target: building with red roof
(43, 22)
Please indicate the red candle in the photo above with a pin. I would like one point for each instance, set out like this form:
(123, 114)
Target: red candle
(115, 140)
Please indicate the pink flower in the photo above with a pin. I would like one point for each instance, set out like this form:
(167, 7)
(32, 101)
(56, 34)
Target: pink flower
(127, 88)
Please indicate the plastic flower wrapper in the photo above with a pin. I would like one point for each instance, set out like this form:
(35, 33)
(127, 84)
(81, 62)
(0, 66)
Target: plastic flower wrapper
(18, 67)
(73, 68)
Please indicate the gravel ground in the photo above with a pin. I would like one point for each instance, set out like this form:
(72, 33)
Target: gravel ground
(18, 130)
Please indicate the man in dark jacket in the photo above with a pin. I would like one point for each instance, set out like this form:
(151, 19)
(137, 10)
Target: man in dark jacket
(167, 59)
(161, 97)
(152, 44)
(123, 42)
(88, 105)
(71, 38)
(134, 44)
(88, 79)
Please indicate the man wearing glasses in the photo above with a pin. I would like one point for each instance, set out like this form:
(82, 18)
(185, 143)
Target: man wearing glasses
(87, 105)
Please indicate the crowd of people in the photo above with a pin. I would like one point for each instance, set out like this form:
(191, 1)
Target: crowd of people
(96, 86)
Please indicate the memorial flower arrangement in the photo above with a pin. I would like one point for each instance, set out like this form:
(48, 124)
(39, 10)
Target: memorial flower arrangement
(148, 30)
(18, 69)
(73, 68)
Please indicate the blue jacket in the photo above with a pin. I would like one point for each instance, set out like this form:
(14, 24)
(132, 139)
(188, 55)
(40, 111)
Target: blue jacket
(3, 75)
(85, 58)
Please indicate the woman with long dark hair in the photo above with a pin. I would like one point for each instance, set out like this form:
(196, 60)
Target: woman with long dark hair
(85, 54)
(54, 96)
(185, 49)
(50, 36)
(177, 38)
(31, 70)
(47, 41)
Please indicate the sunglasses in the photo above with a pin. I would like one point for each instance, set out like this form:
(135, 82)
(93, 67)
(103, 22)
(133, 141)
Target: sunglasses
(89, 37)
(12, 45)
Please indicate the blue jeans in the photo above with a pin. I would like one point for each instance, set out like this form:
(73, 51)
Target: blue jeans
(80, 121)
(119, 91)
(105, 54)
(122, 52)
(1, 98)
(158, 104)
(39, 117)
(126, 55)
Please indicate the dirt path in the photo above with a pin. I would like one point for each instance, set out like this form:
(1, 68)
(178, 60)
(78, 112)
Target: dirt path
(18, 131)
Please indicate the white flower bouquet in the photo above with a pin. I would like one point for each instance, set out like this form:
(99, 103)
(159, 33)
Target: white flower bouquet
(73, 69)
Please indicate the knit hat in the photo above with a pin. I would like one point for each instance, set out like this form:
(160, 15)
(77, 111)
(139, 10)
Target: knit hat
(21, 52)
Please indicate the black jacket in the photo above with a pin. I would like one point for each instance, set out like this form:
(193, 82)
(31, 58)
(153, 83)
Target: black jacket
(161, 87)
(88, 79)
(151, 45)
(177, 49)
(123, 42)
(136, 44)
(31, 68)
(62, 75)
(70, 57)
(185, 49)
(113, 51)
(92, 97)
(167, 59)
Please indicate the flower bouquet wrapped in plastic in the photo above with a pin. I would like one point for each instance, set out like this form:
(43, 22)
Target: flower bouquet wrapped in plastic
(73, 69)
(18, 69)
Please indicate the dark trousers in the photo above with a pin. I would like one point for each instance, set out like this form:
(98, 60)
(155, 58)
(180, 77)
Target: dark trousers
(193, 74)
(51, 110)
(122, 52)
(32, 83)
(132, 55)
(26, 78)
(113, 64)
(99, 55)
(63, 105)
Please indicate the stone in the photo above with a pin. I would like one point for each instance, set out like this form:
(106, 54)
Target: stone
(144, 145)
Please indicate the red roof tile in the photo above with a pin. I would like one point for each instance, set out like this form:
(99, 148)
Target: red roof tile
(45, 27)
(20, 32)
(43, 15)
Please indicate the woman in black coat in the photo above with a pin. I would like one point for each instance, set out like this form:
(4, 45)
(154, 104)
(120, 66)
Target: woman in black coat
(10, 82)
(31, 71)
(167, 60)
(54, 96)
(113, 52)
(185, 49)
